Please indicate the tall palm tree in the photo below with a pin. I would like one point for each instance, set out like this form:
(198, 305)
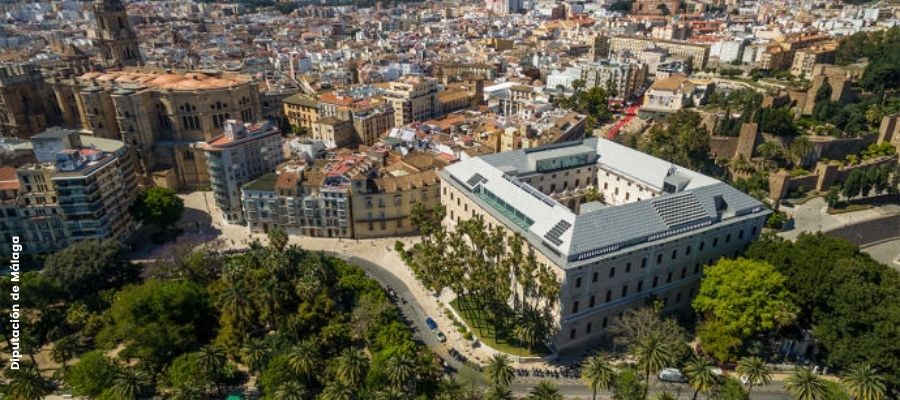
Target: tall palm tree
(27, 384)
(254, 354)
(130, 384)
(303, 359)
(391, 393)
(598, 373)
(337, 390)
(652, 354)
(865, 383)
(755, 371)
(803, 384)
(699, 372)
(352, 364)
(545, 390)
(528, 330)
(211, 360)
(232, 299)
(400, 370)
(290, 390)
(499, 370)
(449, 388)
(498, 393)
(63, 350)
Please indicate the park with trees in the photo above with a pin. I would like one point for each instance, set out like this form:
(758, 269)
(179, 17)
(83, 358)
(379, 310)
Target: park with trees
(503, 292)
(300, 325)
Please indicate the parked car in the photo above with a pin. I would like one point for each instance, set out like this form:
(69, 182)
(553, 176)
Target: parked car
(439, 335)
(431, 324)
(671, 375)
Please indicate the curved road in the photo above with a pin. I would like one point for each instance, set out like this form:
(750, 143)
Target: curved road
(521, 386)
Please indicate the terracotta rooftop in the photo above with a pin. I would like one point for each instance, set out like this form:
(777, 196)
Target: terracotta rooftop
(670, 84)
(391, 184)
(8, 179)
(287, 180)
(158, 79)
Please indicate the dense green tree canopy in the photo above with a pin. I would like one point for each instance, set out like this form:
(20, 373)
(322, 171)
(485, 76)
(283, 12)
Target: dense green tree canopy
(93, 373)
(848, 300)
(681, 140)
(158, 320)
(159, 206)
(749, 297)
(87, 267)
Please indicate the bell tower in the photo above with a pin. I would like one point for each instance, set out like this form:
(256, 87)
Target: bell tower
(118, 42)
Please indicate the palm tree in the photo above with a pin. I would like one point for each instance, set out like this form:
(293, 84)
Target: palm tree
(592, 194)
(798, 150)
(499, 370)
(391, 393)
(805, 385)
(528, 330)
(254, 354)
(233, 300)
(865, 383)
(337, 390)
(130, 384)
(352, 364)
(770, 150)
(700, 375)
(740, 165)
(755, 371)
(290, 390)
(27, 384)
(874, 114)
(665, 396)
(545, 390)
(211, 361)
(652, 353)
(63, 350)
(498, 393)
(400, 370)
(303, 359)
(597, 372)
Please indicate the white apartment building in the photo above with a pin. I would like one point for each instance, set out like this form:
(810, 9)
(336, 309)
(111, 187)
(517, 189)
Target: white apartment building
(239, 155)
(658, 226)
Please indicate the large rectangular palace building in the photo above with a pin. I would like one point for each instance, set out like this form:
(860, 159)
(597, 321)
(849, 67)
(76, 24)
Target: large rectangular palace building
(648, 230)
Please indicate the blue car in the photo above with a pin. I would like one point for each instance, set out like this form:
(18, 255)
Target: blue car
(431, 324)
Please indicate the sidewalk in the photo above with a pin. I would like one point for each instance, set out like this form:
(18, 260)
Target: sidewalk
(377, 251)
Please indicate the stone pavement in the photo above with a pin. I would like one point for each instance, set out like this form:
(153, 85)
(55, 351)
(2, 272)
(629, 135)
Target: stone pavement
(813, 216)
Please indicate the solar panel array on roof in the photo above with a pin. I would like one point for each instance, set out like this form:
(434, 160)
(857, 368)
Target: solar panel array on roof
(679, 209)
(553, 235)
(476, 179)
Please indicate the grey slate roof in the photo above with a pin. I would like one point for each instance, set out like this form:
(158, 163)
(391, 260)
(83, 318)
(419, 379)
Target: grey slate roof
(599, 230)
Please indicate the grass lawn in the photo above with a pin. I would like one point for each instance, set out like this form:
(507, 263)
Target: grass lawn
(484, 331)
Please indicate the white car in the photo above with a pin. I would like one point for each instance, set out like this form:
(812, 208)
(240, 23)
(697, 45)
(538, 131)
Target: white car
(671, 375)
(439, 335)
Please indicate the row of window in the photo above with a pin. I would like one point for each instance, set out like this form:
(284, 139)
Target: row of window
(640, 286)
(573, 333)
(674, 256)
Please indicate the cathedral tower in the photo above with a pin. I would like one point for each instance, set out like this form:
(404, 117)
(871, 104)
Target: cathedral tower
(118, 42)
